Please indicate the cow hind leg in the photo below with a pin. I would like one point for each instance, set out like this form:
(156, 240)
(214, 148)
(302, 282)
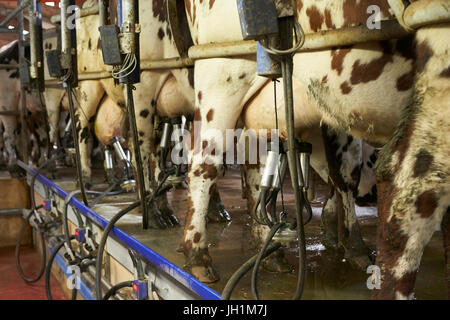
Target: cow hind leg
(329, 221)
(445, 227)
(343, 154)
(277, 261)
(216, 209)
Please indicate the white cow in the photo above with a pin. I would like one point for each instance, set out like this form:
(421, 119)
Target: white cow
(388, 91)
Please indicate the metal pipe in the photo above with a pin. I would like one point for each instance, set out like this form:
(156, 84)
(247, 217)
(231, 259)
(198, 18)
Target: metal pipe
(14, 212)
(33, 39)
(82, 13)
(9, 113)
(6, 30)
(65, 36)
(427, 12)
(15, 12)
(22, 61)
(102, 12)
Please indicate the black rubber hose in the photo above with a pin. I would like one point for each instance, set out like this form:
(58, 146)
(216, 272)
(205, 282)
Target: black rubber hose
(117, 287)
(107, 230)
(254, 280)
(48, 270)
(17, 252)
(237, 276)
(77, 214)
(101, 246)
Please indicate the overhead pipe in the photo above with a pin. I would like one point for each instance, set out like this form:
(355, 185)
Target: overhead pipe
(33, 39)
(82, 13)
(15, 12)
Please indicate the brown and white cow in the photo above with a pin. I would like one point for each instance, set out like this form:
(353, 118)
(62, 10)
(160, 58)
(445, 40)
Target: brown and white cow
(159, 88)
(10, 101)
(394, 92)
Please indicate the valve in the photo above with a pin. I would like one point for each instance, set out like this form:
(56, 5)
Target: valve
(80, 235)
(47, 204)
(140, 283)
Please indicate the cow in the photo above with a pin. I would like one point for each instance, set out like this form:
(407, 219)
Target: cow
(390, 93)
(157, 90)
(10, 104)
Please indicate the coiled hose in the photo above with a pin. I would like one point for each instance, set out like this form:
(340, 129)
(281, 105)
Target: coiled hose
(26, 222)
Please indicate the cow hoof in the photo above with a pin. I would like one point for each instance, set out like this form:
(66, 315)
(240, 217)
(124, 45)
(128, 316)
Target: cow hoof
(360, 262)
(277, 262)
(217, 213)
(169, 217)
(155, 218)
(329, 240)
(15, 171)
(205, 274)
(180, 248)
(181, 186)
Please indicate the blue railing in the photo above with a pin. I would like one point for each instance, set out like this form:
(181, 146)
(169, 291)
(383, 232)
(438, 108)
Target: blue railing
(162, 263)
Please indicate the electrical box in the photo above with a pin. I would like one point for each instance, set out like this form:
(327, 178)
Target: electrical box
(110, 44)
(54, 63)
(24, 74)
(266, 65)
(258, 18)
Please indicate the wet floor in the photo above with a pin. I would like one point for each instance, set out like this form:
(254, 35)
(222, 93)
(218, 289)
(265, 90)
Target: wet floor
(329, 276)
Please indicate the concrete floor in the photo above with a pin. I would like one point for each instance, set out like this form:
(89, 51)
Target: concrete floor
(329, 275)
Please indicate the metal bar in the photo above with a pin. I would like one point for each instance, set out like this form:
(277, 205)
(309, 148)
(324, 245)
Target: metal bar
(160, 262)
(9, 113)
(15, 12)
(427, 12)
(83, 13)
(102, 12)
(6, 30)
(33, 39)
(23, 109)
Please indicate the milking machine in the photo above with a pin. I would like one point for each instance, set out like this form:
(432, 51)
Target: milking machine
(120, 48)
(273, 25)
(127, 183)
(168, 127)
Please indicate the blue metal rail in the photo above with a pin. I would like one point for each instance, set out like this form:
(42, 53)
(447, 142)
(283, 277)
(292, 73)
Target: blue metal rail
(171, 269)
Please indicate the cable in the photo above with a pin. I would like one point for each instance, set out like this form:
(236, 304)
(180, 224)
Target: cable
(101, 247)
(237, 276)
(117, 287)
(254, 279)
(107, 230)
(17, 252)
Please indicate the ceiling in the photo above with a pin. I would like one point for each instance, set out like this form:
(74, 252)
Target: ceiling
(49, 9)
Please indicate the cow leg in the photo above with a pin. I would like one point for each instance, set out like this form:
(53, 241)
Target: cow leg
(276, 262)
(445, 227)
(53, 99)
(218, 109)
(10, 139)
(413, 171)
(329, 220)
(343, 154)
(89, 96)
(3, 158)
